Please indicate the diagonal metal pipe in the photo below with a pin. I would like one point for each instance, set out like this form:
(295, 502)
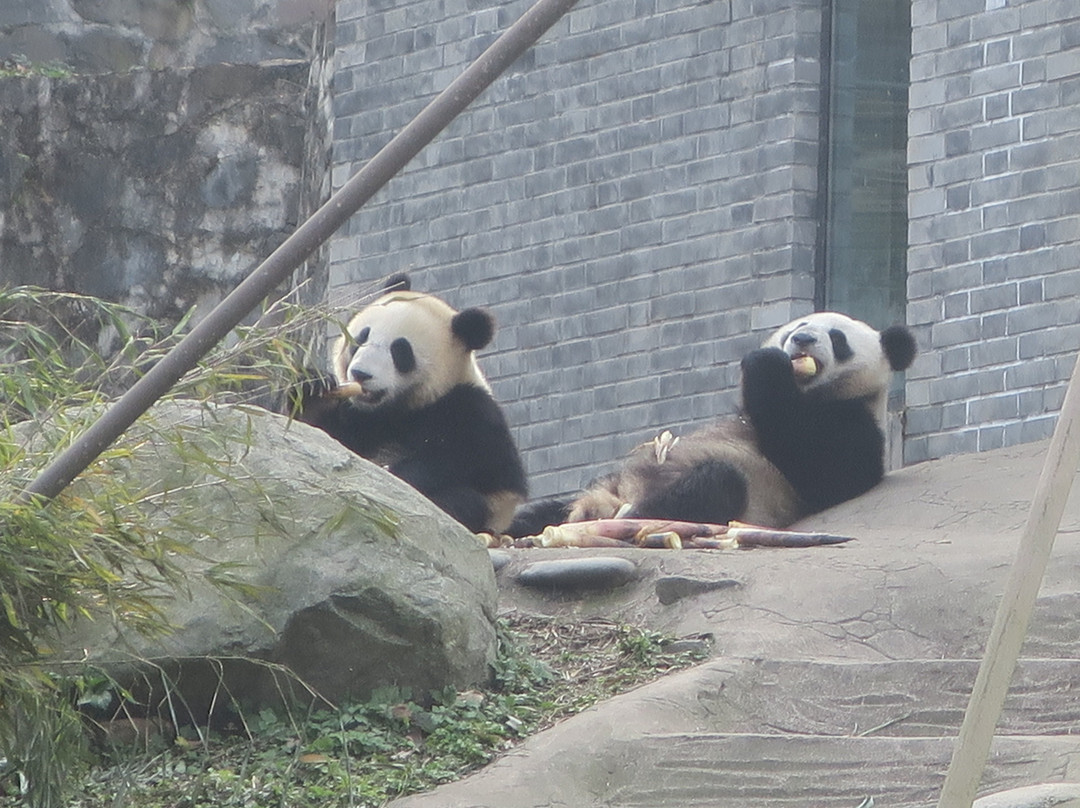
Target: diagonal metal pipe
(295, 249)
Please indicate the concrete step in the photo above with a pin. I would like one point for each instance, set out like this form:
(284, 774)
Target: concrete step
(774, 733)
(770, 771)
(924, 698)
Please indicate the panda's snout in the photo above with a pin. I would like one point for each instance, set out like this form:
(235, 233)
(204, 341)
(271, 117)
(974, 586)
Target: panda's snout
(803, 340)
(359, 375)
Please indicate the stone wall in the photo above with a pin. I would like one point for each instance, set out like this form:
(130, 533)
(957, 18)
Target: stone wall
(634, 200)
(993, 265)
(109, 36)
(160, 189)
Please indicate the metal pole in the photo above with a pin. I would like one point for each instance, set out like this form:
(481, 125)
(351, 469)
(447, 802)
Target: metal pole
(1014, 611)
(292, 252)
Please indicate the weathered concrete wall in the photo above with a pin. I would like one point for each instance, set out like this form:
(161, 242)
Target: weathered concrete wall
(158, 189)
(187, 143)
(106, 36)
(634, 199)
(994, 212)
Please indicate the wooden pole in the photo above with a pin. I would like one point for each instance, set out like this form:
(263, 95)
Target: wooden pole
(1014, 611)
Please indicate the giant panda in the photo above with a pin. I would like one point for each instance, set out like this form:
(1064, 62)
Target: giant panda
(407, 394)
(809, 435)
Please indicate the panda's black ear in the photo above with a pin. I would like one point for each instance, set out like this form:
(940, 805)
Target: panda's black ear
(474, 327)
(397, 283)
(899, 346)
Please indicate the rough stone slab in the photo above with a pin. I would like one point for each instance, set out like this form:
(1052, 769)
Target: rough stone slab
(1047, 795)
(912, 698)
(777, 733)
(841, 672)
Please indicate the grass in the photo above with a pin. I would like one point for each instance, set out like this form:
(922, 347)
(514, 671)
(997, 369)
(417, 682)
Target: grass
(365, 754)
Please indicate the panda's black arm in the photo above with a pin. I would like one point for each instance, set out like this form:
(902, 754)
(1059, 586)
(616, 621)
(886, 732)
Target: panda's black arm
(830, 451)
(769, 391)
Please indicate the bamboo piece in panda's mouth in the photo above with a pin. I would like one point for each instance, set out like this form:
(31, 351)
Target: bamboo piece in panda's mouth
(347, 390)
(804, 366)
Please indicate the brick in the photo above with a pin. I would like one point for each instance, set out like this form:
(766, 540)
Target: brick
(995, 78)
(1062, 65)
(995, 134)
(955, 332)
(994, 408)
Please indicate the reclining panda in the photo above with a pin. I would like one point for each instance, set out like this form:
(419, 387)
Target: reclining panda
(809, 436)
(407, 394)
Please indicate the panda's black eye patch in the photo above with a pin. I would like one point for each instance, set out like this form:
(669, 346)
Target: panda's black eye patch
(840, 349)
(402, 354)
(362, 335)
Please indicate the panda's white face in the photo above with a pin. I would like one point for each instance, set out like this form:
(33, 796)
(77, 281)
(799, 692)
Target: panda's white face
(403, 351)
(850, 360)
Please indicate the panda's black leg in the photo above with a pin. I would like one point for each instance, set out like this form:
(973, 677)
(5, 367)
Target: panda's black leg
(467, 505)
(531, 518)
(712, 491)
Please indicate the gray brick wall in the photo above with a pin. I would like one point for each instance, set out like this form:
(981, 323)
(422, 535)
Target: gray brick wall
(634, 200)
(994, 178)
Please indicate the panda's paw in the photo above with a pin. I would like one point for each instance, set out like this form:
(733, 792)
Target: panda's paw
(308, 398)
(768, 384)
(597, 503)
(768, 368)
(315, 385)
(767, 364)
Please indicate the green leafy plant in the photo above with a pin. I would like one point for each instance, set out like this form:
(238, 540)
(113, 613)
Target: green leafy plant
(363, 754)
(96, 553)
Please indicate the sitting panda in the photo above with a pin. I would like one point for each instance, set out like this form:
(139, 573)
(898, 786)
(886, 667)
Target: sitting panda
(407, 394)
(809, 436)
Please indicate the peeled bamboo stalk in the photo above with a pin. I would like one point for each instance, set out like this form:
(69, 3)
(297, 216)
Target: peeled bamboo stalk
(671, 534)
(754, 536)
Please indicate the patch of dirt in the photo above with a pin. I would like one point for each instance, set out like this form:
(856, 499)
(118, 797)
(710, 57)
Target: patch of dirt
(594, 658)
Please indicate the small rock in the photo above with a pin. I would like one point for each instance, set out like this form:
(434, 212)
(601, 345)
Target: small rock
(499, 559)
(699, 647)
(597, 572)
(676, 587)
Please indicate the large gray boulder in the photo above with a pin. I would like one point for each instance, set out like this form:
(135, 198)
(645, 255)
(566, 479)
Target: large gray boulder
(350, 579)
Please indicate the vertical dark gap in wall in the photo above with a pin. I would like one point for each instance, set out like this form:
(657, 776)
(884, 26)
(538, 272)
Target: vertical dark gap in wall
(821, 277)
(863, 248)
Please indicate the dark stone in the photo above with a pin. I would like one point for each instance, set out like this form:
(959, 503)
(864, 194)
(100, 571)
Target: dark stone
(671, 589)
(13, 167)
(696, 646)
(598, 572)
(499, 559)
